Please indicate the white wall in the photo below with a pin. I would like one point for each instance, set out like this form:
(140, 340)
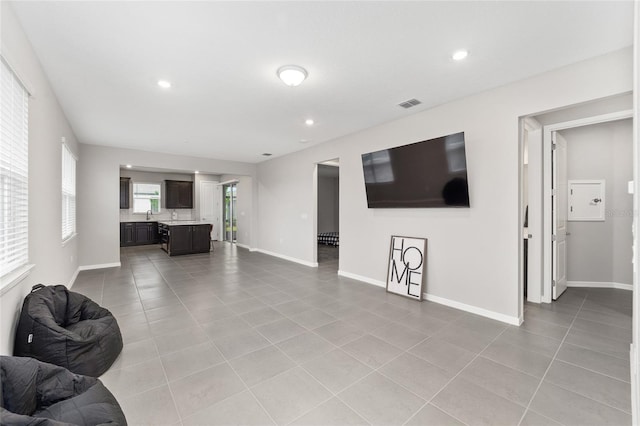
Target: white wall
(98, 189)
(601, 251)
(159, 178)
(328, 204)
(472, 253)
(54, 263)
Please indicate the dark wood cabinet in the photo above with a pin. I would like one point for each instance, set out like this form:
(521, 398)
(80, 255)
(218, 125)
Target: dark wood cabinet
(138, 233)
(127, 234)
(178, 194)
(147, 233)
(124, 192)
(180, 240)
(188, 239)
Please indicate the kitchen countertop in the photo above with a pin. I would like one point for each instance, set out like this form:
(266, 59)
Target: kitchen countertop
(185, 222)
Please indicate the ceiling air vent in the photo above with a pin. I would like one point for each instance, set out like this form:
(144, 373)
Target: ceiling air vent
(410, 103)
(267, 154)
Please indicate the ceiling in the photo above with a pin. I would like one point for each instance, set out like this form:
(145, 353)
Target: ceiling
(104, 59)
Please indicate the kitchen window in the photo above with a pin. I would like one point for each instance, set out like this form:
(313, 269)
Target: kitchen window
(14, 177)
(68, 194)
(146, 196)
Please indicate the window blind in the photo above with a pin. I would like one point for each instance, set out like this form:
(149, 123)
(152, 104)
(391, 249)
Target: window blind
(68, 193)
(14, 172)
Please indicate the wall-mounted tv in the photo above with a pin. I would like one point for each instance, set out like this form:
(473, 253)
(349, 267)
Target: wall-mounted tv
(431, 173)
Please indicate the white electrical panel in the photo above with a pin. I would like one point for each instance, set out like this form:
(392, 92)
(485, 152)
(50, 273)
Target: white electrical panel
(586, 200)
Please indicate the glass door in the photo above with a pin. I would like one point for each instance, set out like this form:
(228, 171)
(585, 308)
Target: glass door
(230, 216)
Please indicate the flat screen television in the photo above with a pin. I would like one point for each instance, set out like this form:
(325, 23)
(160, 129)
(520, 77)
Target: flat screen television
(431, 173)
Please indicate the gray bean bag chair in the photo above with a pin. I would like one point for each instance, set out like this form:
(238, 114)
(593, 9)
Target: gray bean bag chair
(37, 393)
(68, 329)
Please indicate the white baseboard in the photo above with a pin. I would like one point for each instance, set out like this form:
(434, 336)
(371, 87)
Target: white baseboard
(442, 301)
(244, 246)
(600, 284)
(99, 266)
(289, 258)
(72, 281)
(634, 358)
(474, 309)
(364, 279)
(89, 268)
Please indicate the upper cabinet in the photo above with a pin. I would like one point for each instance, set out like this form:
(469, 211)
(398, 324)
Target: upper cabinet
(179, 194)
(124, 192)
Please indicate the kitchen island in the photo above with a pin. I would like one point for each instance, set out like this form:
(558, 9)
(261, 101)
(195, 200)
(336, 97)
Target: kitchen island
(180, 237)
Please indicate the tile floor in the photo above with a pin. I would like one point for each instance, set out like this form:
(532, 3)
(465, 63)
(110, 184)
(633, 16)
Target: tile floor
(234, 337)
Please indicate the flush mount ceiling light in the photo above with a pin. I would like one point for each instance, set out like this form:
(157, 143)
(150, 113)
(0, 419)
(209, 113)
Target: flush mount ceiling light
(459, 55)
(164, 84)
(292, 75)
(309, 122)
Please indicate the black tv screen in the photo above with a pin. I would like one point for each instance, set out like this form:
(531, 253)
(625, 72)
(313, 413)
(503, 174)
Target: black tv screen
(431, 173)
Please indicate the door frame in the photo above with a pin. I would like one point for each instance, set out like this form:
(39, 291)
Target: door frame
(335, 162)
(547, 228)
(234, 185)
(559, 198)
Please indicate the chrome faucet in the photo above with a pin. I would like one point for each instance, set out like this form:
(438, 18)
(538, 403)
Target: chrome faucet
(149, 213)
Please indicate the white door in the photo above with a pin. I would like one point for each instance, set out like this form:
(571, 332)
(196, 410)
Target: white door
(211, 206)
(559, 206)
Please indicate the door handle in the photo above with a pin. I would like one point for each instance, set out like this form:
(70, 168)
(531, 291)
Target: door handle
(596, 200)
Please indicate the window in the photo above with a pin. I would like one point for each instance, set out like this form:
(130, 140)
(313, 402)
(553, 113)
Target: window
(14, 172)
(68, 194)
(146, 196)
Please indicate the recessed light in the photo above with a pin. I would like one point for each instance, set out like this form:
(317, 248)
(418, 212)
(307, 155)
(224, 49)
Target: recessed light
(304, 140)
(196, 172)
(292, 75)
(128, 166)
(459, 55)
(309, 122)
(164, 84)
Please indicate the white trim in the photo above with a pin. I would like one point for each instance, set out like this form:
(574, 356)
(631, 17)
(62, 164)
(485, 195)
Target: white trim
(367, 280)
(8, 59)
(474, 309)
(442, 301)
(14, 278)
(546, 188)
(289, 258)
(72, 281)
(245, 246)
(99, 266)
(69, 239)
(634, 360)
(587, 121)
(600, 284)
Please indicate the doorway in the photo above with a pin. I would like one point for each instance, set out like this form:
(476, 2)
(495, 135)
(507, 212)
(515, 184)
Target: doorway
(545, 205)
(230, 226)
(210, 206)
(328, 215)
